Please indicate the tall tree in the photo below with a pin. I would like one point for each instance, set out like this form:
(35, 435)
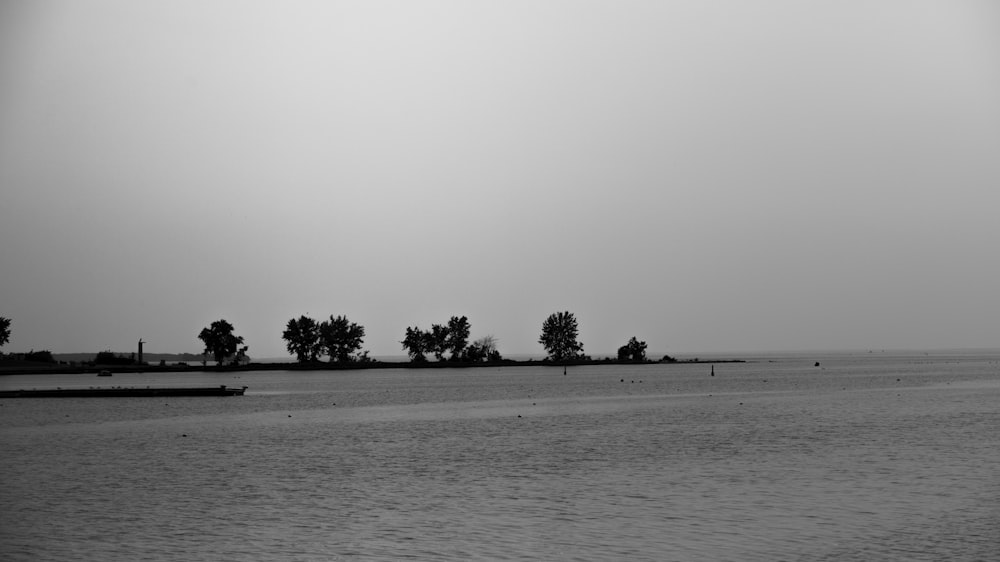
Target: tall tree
(559, 332)
(341, 339)
(302, 339)
(220, 341)
(437, 340)
(4, 330)
(417, 344)
(451, 338)
(634, 350)
(457, 336)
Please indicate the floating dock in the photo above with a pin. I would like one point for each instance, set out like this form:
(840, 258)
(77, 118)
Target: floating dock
(120, 391)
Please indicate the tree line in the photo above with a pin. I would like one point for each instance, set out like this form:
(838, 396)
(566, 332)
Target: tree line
(43, 356)
(451, 338)
(340, 340)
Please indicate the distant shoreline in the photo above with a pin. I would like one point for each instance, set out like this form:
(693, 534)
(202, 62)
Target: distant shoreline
(29, 368)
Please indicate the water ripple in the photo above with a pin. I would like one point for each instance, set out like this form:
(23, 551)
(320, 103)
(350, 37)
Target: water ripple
(846, 465)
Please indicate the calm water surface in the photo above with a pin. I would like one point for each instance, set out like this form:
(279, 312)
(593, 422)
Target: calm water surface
(869, 456)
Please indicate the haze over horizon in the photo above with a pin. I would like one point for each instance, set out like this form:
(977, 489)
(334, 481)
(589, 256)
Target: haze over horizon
(706, 176)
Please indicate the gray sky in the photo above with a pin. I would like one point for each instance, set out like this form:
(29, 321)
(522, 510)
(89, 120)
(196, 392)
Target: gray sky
(707, 176)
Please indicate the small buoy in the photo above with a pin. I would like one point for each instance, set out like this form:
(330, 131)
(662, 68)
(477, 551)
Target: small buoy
(817, 364)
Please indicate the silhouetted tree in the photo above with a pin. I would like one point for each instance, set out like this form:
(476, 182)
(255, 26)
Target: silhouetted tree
(341, 339)
(4, 330)
(634, 350)
(457, 336)
(302, 339)
(220, 341)
(417, 344)
(483, 349)
(452, 338)
(437, 340)
(559, 332)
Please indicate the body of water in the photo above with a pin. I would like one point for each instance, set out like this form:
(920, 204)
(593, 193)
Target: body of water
(868, 456)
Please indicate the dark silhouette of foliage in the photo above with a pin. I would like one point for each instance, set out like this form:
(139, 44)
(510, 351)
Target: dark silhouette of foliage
(303, 339)
(417, 344)
(457, 336)
(438, 340)
(109, 358)
(341, 339)
(43, 356)
(4, 330)
(221, 343)
(452, 338)
(634, 350)
(559, 333)
(474, 354)
(483, 349)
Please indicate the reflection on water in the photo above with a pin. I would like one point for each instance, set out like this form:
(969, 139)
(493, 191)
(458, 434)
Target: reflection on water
(862, 458)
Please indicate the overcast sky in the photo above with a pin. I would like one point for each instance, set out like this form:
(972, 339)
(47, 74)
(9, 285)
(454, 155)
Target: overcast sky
(724, 175)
